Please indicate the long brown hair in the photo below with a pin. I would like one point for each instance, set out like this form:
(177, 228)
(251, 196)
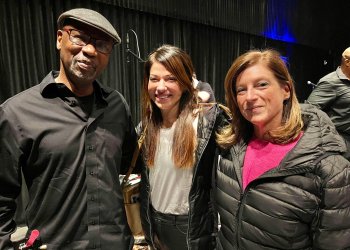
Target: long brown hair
(179, 63)
(240, 128)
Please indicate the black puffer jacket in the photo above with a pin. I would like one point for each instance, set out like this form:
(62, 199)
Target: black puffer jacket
(304, 203)
(202, 221)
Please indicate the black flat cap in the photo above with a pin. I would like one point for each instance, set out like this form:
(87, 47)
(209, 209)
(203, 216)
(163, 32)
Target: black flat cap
(91, 18)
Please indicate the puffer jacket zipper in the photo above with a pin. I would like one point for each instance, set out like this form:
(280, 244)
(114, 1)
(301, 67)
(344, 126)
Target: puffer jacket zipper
(269, 174)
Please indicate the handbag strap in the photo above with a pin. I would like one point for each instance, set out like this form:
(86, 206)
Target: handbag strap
(135, 156)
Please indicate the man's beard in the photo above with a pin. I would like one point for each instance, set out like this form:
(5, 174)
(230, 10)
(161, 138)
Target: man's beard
(83, 76)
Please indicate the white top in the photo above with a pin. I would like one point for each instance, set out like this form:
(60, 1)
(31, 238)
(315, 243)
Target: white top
(170, 186)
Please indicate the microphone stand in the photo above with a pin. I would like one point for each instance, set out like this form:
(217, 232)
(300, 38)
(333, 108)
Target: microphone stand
(132, 69)
(129, 51)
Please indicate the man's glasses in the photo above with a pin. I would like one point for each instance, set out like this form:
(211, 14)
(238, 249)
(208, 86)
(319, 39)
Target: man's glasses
(81, 39)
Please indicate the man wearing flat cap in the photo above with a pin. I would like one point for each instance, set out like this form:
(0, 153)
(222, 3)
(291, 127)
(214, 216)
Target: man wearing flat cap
(71, 137)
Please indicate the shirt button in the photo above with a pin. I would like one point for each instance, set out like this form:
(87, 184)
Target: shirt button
(91, 173)
(73, 103)
(91, 147)
(92, 198)
(92, 222)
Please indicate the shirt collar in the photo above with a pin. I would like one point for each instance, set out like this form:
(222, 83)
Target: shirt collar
(340, 74)
(50, 89)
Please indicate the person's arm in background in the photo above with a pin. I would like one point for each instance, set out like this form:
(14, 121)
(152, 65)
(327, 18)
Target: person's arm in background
(323, 95)
(10, 180)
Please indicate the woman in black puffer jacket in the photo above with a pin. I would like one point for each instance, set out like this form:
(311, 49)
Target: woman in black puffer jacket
(281, 181)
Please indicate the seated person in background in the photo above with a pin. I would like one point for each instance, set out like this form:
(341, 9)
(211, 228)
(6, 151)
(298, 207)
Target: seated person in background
(332, 95)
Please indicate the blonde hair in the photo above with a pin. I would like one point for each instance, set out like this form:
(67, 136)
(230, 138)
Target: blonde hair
(179, 63)
(240, 128)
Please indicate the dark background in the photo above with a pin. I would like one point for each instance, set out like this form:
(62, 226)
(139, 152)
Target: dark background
(310, 35)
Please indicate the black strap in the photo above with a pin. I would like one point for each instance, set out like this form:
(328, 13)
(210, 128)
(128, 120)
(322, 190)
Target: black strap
(135, 156)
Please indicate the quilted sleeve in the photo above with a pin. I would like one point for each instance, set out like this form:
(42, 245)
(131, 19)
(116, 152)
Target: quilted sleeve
(332, 227)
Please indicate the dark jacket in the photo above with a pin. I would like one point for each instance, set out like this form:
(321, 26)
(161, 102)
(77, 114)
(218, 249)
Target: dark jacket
(202, 222)
(303, 203)
(332, 95)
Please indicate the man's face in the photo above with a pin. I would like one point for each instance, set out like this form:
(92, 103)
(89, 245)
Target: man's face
(81, 64)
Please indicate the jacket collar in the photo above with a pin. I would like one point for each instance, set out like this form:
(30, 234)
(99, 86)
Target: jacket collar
(320, 137)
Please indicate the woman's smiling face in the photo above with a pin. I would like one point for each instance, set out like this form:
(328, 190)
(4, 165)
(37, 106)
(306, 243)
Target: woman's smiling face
(164, 89)
(260, 97)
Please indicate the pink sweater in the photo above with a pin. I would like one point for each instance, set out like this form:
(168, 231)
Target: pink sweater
(261, 156)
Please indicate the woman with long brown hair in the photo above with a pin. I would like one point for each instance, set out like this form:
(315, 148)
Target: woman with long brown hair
(178, 152)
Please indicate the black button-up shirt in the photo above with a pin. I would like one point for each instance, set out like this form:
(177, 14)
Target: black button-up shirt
(71, 162)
